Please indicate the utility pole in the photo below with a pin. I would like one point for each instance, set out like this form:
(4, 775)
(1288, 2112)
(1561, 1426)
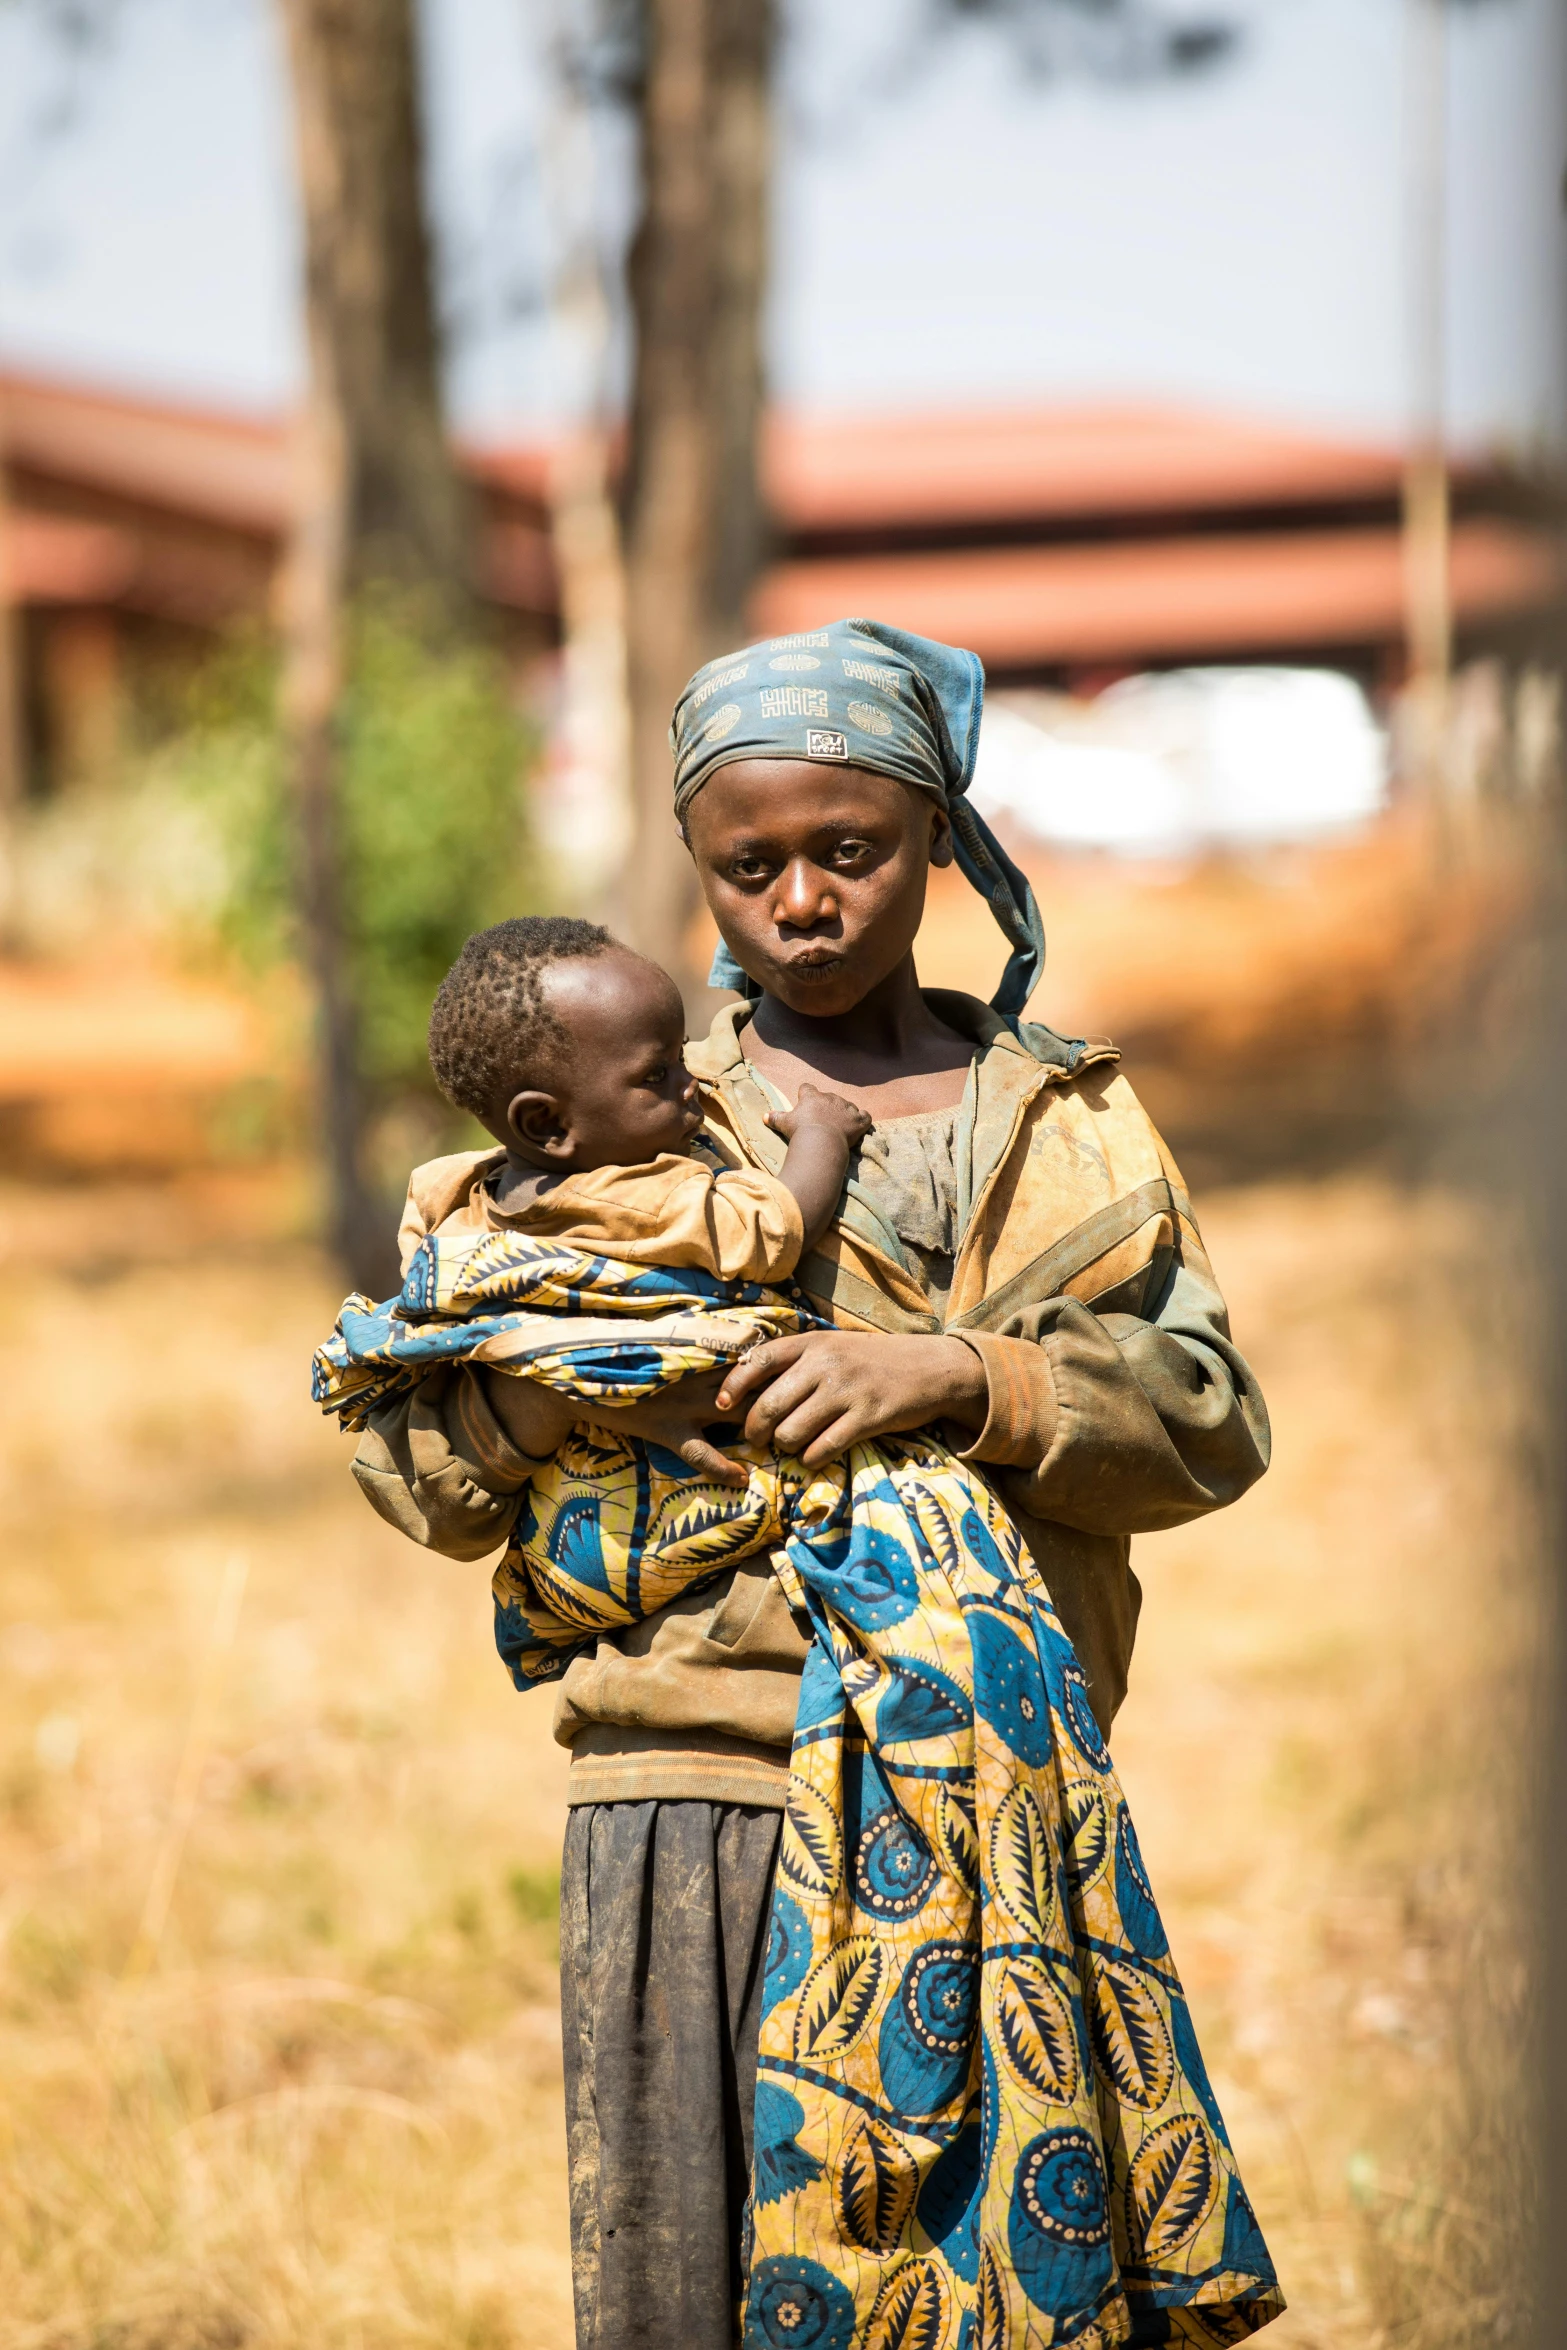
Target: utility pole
(1428, 587)
(585, 818)
(11, 756)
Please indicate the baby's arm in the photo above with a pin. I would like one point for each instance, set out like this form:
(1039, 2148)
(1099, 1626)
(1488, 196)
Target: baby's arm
(821, 1131)
(535, 1417)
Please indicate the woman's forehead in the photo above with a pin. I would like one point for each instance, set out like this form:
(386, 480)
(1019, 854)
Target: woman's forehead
(773, 796)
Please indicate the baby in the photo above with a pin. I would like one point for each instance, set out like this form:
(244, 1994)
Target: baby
(568, 1048)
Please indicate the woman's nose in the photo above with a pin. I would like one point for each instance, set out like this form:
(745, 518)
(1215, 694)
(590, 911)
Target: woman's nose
(803, 897)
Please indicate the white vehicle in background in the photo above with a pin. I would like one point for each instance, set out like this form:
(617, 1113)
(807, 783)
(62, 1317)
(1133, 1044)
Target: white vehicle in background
(1168, 765)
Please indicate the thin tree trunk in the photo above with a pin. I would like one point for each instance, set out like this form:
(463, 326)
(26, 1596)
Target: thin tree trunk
(693, 523)
(313, 676)
(742, 156)
(378, 503)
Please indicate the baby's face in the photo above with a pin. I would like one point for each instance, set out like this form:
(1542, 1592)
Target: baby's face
(625, 1092)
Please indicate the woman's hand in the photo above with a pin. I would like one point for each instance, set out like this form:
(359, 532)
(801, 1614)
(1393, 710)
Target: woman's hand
(820, 1392)
(675, 1419)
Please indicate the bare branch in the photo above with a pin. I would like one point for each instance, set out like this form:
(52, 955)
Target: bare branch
(1102, 40)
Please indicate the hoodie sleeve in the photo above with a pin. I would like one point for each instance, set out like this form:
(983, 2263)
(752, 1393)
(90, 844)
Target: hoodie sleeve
(437, 1465)
(1120, 1423)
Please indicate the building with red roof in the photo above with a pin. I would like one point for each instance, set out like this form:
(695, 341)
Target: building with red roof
(1064, 545)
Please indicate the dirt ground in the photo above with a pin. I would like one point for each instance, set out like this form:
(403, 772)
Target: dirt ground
(279, 1842)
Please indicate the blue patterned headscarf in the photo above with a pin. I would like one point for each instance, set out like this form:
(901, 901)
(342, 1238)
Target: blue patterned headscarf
(857, 693)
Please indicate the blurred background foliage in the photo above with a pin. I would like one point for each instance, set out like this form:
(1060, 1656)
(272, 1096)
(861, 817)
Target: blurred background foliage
(193, 850)
(432, 817)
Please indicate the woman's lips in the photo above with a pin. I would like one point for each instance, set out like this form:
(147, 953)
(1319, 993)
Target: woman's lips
(817, 960)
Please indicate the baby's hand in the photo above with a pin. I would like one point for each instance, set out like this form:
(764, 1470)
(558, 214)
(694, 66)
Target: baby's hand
(817, 1111)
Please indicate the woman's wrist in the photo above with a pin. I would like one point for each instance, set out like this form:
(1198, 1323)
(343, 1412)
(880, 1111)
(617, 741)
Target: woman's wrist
(965, 1388)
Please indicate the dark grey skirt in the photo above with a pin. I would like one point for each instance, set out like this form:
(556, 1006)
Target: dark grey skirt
(663, 1915)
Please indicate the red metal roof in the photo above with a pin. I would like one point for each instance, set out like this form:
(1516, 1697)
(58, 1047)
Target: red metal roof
(820, 471)
(218, 466)
(1030, 607)
(851, 472)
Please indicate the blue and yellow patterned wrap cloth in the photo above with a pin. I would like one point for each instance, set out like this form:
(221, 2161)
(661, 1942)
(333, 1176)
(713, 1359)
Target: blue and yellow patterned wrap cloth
(982, 2117)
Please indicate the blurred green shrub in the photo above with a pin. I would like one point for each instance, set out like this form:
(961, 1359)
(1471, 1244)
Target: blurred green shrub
(432, 809)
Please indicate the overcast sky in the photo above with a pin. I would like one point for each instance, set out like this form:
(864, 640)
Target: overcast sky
(946, 233)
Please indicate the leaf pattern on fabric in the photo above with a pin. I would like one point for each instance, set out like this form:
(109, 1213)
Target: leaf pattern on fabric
(991, 2317)
(557, 1314)
(698, 1527)
(1088, 1831)
(860, 1678)
(811, 1852)
(877, 2179)
(838, 1999)
(1021, 1862)
(1036, 2033)
(934, 1528)
(958, 1835)
(911, 2310)
(1132, 2049)
(1172, 2187)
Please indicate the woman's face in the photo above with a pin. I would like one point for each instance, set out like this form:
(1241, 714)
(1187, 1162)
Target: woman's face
(815, 875)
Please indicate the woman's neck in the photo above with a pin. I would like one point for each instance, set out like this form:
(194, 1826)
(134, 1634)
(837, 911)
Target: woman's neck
(891, 1053)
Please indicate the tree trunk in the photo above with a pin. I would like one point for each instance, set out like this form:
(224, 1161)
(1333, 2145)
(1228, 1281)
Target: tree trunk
(378, 500)
(693, 516)
(370, 306)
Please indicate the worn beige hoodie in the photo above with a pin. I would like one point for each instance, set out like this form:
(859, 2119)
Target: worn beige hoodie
(1118, 1404)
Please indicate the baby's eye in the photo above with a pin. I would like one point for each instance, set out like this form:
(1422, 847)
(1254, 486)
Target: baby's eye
(657, 1074)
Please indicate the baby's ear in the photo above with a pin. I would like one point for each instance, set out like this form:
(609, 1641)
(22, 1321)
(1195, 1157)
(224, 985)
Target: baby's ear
(536, 1122)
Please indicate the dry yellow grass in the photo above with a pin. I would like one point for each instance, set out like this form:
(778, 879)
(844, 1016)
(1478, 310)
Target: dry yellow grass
(1328, 1747)
(328, 2113)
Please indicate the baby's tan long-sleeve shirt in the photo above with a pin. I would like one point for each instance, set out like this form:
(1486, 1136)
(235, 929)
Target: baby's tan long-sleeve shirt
(737, 1222)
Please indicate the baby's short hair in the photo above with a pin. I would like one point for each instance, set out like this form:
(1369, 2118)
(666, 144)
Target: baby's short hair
(491, 1030)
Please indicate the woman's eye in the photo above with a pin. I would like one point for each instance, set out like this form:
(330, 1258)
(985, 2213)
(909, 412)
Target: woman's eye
(850, 852)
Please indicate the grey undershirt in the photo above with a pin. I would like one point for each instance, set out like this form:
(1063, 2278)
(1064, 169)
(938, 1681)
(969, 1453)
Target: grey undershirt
(907, 1169)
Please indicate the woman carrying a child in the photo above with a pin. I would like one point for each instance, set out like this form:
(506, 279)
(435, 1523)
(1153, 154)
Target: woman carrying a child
(1012, 1265)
